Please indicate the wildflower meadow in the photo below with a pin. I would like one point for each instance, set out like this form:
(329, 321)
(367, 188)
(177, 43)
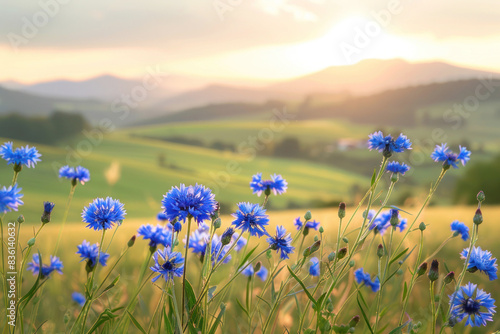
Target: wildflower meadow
(369, 268)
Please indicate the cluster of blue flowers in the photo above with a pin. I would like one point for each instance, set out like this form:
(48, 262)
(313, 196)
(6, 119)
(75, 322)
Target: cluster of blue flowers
(10, 199)
(310, 224)
(383, 221)
(388, 145)
(276, 184)
(46, 269)
(90, 252)
(78, 174)
(364, 278)
(249, 271)
(157, 235)
(27, 156)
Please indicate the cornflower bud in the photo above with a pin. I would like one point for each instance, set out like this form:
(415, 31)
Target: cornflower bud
(422, 269)
(131, 242)
(308, 215)
(394, 217)
(434, 271)
(354, 321)
(481, 197)
(380, 250)
(227, 236)
(47, 210)
(331, 256)
(449, 278)
(342, 253)
(341, 210)
(217, 223)
(478, 217)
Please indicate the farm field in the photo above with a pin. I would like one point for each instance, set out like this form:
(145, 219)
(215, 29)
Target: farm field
(60, 287)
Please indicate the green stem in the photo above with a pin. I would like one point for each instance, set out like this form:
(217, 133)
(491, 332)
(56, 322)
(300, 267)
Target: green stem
(427, 200)
(184, 272)
(65, 217)
(14, 179)
(413, 278)
(441, 296)
(382, 279)
(156, 311)
(433, 307)
(473, 240)
(439, 248)
(90, 283)
(373, 188)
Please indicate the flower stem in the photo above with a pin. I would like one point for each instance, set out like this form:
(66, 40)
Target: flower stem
(427, 200)
(473, 240)
(184, 272)
(383, 278)
(65, 217)
(413, 278)
(433, 307)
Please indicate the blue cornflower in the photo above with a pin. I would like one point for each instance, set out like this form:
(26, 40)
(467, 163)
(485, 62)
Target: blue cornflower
(277, 184)
(78, 174)
(397, 168)
(460, 229)
(362, 277)
(194, 201)
(198, 242)
(251, 218)
(167, 264)
(240, 243)
(482, 261)
(47, 210)
(219, 251)
(27, 156)
(47, 269)
(48, 206)
(477, 309)
(282, 242)
(310, 224)
(162, 216)
(10, 198)
(388, 145)
(89, 252)
(314, 268)
(262, 273)
(78, 298)
(103, 213)
(448, 157)
(383, 221)
(370, 215)
(157, 235)
(248, 271)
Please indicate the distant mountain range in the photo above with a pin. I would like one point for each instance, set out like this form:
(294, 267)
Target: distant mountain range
(394, 107)
(95, 96)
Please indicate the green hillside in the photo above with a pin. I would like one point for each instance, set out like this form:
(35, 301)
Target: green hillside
(128, 168)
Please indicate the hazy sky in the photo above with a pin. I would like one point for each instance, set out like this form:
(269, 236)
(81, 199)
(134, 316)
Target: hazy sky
(262, 39)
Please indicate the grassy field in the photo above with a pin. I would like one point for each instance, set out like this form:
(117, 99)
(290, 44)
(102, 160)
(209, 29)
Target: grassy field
(127, 168)
(59, 288)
